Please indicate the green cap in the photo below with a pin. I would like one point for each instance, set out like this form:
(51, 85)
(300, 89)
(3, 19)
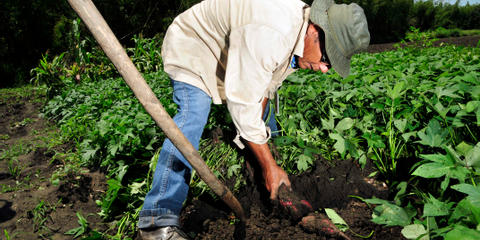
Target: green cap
(346, 31)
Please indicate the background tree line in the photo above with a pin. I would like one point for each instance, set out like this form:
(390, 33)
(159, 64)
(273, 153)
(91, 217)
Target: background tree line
(32, 28)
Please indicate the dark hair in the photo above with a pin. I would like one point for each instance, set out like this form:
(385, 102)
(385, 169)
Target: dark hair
(323, 49)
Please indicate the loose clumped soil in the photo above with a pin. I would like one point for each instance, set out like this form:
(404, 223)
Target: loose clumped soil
(31, 207)
(325, 186)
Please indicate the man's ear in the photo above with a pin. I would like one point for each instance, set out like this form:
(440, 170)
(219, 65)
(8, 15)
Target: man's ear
(312, 30)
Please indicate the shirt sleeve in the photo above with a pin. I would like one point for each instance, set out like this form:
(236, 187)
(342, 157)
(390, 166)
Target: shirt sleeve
(255, 51)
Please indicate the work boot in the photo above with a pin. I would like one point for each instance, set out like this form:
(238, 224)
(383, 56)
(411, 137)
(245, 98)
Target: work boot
(163, 233)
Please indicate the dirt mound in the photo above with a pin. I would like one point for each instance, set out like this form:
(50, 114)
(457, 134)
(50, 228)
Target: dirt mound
(325, 186)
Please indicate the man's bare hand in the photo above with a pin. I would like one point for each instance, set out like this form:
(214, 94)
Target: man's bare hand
(274, 177)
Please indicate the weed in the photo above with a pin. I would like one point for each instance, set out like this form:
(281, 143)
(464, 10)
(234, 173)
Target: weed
(40, 215)
(50, 73)
(225, 163)
(423, 39)
(15, 150)
(82, 229)
(7, 188)
(23, 123)
(14, 168)
(7, 236)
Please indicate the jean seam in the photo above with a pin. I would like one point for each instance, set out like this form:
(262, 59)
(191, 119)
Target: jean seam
(171, 149)
(166, 175)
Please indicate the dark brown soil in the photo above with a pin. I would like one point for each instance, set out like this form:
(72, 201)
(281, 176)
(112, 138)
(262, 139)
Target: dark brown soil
(325, 186)
(31, 207)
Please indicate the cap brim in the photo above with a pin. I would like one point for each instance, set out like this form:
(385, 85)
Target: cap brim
(339, 62)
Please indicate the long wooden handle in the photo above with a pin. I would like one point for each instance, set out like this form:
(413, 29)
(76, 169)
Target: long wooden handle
(111, 46)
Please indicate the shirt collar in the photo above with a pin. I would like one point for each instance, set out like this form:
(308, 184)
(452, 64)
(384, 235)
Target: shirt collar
(298, 49)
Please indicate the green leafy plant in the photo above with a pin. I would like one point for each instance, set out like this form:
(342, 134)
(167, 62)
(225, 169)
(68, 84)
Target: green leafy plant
(423, 39)
(82, 229)
(50, 73)
(413, 108)
(14, 168)
(40, 215)
(7, 236)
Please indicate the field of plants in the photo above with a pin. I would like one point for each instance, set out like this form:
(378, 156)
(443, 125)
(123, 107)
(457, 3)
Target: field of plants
(410, 118)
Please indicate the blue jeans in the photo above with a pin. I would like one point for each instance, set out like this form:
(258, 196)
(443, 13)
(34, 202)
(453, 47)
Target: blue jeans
(163, 203)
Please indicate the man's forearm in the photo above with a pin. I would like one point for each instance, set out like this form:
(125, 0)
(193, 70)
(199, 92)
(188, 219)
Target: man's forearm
(263, 155)
(273, 174)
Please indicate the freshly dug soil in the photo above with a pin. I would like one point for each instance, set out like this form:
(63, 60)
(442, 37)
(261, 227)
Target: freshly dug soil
(325, 186)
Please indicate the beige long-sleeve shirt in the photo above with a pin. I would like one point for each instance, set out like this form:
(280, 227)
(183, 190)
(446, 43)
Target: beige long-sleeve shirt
(238, 52)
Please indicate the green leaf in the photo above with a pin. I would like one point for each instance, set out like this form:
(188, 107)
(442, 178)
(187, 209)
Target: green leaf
(294, 78)
(401, 190)
(449, 92)
(400, 124)
(284, 140)
(431, 170)
(442, 111)
(463, 233)
(233, 169)
(136, 187)
(435, 207)
(452, 155)
(336, 219)
(378, 106)
(472, 158)
(103, 127)
(304, 162)
(473, 192)
(75, 231)
(303, 125)
(439, 158)
(472, 106)
(445, 183)
(344, 124)
(463, 148)
(434, 135)
(397, 90)
(388, 214)
(463, 210)
(407, 136)
(339, 144)
(459, 172)
(149, 145)
(414, 231)
(328, 125)
(374, 140)
(88, 154)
